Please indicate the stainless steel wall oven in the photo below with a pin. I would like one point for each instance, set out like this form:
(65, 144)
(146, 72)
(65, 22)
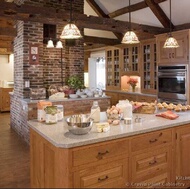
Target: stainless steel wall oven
(172, 83)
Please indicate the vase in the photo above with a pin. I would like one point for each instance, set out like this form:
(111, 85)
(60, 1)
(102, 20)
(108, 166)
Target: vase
(133, 88)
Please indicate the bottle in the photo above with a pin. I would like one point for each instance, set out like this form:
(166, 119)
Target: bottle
(95, 111)
(60, 112)
(126, 108)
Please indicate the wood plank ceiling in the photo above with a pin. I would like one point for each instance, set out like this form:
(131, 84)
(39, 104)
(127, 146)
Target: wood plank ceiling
(10, 12)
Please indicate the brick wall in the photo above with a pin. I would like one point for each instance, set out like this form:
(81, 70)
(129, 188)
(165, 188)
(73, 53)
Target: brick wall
(49, 69)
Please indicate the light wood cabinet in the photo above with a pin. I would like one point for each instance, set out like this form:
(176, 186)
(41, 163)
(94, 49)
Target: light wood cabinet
(114, 97)
(148, 67)
(183, 155)
(130, 60)
(145, 98)
(130, 97)
(5, 99)
(173, 55)
(151, 159)
(111, 175)
(113, 75)
(157, 159)
(102, 165)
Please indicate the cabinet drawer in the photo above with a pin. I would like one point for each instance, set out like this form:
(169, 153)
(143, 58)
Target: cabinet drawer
(151, 140)
(97, 153)
(113, 175)
(151, 164)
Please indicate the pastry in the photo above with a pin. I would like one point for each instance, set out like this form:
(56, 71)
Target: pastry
(177, 109)
(184, 108)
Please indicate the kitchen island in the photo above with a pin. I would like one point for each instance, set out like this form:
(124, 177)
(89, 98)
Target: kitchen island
(148, 154)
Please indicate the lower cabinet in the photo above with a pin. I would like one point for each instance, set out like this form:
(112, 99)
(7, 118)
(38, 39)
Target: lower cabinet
(114, 98)
(183, 156)
(151, 168)
(5, 99)
(130, 97)
(144, 98)
(158, 159)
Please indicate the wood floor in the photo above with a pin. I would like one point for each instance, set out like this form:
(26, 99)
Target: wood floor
(14, 157)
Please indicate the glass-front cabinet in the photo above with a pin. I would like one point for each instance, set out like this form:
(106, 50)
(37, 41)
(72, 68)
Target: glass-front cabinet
(113, 76)
(149, 66)
(130, 59)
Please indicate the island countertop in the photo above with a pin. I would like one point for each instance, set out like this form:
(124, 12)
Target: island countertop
(59, 136)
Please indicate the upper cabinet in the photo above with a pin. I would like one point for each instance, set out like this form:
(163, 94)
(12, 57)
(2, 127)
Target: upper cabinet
(175, 55)
(149, 66)
(130, 59)
(113, 76)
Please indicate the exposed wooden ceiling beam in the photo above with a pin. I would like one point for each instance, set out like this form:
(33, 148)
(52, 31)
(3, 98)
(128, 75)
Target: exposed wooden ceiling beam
(159, 13)
(97, 9)
(51, 16)
(101, 40)
(101, 13)
(134, 7)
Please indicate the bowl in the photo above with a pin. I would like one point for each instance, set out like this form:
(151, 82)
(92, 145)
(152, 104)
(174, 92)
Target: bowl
(79, 125)
(73, 95)
(83, 96)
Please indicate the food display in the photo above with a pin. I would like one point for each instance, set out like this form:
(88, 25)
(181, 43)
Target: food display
(175, 107)
(143, 107)
(114, 115)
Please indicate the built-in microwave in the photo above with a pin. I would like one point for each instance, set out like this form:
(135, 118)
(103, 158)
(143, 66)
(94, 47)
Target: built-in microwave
(172, 83)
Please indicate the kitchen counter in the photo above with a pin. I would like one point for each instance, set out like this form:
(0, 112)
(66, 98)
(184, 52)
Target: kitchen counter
(59, 136)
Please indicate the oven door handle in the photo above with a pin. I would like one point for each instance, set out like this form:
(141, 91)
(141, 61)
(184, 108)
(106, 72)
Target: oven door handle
(172, 74)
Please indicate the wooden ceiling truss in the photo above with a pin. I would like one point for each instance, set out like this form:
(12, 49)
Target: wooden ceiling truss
(9, 12)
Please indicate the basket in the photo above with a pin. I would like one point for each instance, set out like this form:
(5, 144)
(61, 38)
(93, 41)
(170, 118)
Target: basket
(52, 90)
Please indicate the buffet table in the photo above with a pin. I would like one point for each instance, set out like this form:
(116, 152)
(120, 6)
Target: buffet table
(155, 151)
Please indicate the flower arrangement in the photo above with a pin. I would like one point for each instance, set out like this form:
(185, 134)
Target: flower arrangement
(133, 82)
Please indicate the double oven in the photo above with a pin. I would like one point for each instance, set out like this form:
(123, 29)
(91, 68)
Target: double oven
(172, 83)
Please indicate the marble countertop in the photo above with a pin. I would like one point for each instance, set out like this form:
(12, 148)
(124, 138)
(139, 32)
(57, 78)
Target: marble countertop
(59, 135)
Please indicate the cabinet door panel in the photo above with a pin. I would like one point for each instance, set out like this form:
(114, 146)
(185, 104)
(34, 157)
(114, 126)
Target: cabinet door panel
(112, 175)
(183, 156)
(146, 166)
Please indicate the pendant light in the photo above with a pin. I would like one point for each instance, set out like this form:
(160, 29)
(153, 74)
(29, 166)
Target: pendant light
(59, 45)
(50, 44)
(171, 42)
(130, 36)
(70, 31)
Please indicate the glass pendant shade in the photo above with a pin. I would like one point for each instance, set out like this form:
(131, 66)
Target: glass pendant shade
(171, 42)
(50, 44)
(70, 31)
(130, 38)
(59, 45)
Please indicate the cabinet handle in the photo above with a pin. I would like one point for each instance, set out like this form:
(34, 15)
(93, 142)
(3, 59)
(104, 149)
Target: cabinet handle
(154, 140)
(172, 55)
(152, 162)
(103, 179)
(101, 154)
